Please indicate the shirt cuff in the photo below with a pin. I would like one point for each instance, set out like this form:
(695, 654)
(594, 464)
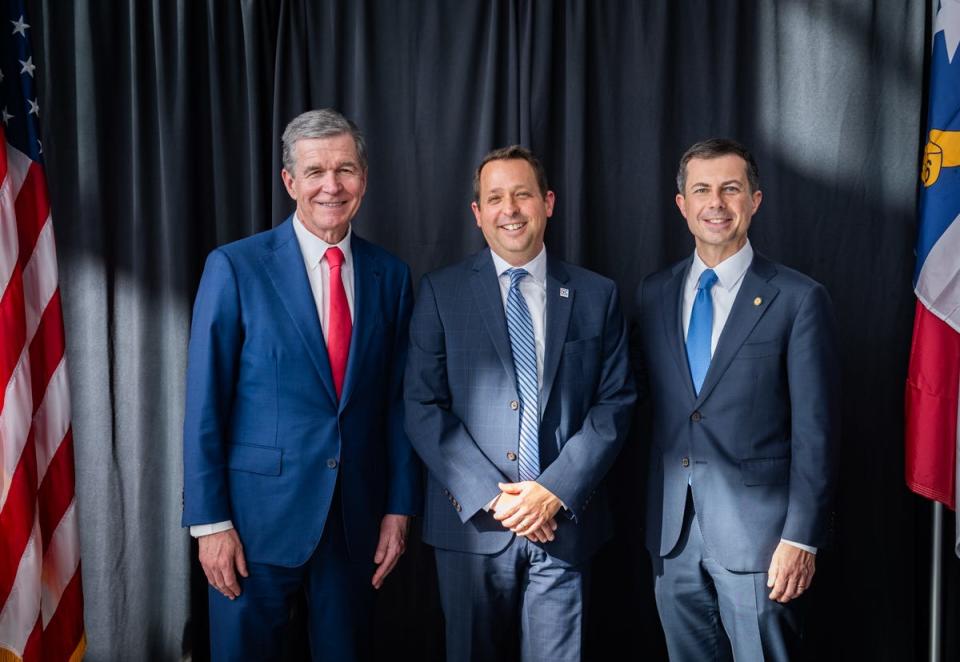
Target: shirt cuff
(198, 530)
(806, 548)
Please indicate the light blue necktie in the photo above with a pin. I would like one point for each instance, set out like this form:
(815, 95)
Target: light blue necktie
(524, 349)
(701, 329)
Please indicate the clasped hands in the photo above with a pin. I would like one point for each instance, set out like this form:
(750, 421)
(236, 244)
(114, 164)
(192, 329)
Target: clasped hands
(528, 509)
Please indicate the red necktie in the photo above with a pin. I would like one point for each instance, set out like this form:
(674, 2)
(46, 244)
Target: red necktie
(339, 325)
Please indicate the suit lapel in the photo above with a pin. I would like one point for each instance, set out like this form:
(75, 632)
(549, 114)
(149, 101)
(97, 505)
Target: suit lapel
(489, 301)
(558, 319)
(285, 268)
(367, 281)
(755, 296)
(673, 320)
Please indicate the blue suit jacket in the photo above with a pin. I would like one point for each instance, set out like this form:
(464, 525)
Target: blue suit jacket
(264, 435)
(460, 384)
(760, 439)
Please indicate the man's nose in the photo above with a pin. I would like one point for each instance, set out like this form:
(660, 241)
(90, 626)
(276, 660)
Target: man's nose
(329, 181)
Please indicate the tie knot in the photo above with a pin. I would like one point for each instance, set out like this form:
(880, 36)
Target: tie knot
(707, 279)
(516, 275)
(334, 257)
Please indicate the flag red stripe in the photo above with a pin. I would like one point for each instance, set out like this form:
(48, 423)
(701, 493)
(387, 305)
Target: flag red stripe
(933, 387)
(56, 489)
(13, 329)
(32, 652)
(32, 209)
(46, 349)
(3, 154)
(16, 518)
(65, 629)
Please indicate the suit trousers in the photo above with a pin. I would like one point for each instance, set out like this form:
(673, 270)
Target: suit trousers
(520, 603)
(711, 613)
(339, 596)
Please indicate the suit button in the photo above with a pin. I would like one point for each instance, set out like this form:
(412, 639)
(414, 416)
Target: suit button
(514, 405)
(685, 462)
(458, 508)
(696, 416)
(511, 456)
(331, 463)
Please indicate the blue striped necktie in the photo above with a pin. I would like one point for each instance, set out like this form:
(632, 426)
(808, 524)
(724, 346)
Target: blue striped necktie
(700, 331)
(524, 349)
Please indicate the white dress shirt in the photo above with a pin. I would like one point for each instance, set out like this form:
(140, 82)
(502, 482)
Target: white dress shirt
(730, 275)
(313, 249)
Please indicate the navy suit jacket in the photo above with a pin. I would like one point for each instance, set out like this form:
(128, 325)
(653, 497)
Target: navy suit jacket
(758, 443)
(264, 434)
(461, 397)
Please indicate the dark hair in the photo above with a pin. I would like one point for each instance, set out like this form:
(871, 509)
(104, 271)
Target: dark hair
(715, 148)
(507, 154)
(323, 123)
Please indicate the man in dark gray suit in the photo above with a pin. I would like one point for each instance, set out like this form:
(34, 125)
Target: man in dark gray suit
(741, 368)
(518, 396)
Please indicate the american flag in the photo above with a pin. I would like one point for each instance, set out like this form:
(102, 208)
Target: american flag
(41, 601)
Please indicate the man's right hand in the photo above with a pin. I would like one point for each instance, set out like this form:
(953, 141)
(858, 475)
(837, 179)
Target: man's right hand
(221, 555)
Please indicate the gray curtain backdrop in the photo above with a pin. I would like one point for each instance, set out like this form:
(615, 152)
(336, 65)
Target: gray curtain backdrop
(161, 132)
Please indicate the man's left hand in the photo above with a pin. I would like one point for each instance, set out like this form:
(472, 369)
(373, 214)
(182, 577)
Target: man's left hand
(393, 542)
(791, 572)
(528, 507)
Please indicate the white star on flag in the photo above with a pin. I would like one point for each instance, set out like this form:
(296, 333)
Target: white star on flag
(6, 116)
(34, 107)
(948, 22)
(28, 66)
(20, 27)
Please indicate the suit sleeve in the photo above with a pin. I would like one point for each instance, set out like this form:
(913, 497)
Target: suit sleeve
(405, 486)
(589, 453)
(216, 337)
(439, 436)
(813, 380)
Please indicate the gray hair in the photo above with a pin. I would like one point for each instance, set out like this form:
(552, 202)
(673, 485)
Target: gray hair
(715, 148)
(323, 123)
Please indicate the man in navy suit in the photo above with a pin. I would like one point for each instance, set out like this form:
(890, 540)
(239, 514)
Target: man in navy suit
(518, 396)
(740, 365)
(297, 473)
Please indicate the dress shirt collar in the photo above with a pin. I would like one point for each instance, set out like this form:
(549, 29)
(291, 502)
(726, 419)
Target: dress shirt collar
(313, 247)
(729, 272)
(537, 267)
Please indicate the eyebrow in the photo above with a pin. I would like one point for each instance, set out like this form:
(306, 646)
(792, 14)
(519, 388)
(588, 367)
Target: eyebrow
(738, 182)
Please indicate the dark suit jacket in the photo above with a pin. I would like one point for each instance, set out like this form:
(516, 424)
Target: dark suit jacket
(460, 385)
(264, 435)
(760, 439)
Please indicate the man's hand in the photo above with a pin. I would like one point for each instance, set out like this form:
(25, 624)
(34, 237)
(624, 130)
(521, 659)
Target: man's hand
(791, 572)
(393, 542)
(527, 508)
(221, 556)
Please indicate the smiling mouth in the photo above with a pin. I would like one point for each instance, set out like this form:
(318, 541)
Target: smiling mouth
(716, 221)
(512, 226)
(332, 205)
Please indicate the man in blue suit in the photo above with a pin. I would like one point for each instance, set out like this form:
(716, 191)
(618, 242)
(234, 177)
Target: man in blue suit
(518, 396)
(741, 369)
(297, 473)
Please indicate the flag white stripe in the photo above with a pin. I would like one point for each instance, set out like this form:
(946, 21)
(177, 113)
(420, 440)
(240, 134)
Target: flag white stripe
(52, 419)
(39, 278)
(17, 166)
(60, 562)
(938, 286)
(15, 421)
(23, 604)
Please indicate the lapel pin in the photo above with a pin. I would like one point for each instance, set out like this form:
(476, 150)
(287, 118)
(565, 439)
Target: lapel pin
(757, 301)
(565, 293)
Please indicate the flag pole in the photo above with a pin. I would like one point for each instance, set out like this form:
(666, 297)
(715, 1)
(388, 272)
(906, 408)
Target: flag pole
(936, 568)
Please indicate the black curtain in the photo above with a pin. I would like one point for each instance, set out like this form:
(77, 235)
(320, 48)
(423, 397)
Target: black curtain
(161, 132)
